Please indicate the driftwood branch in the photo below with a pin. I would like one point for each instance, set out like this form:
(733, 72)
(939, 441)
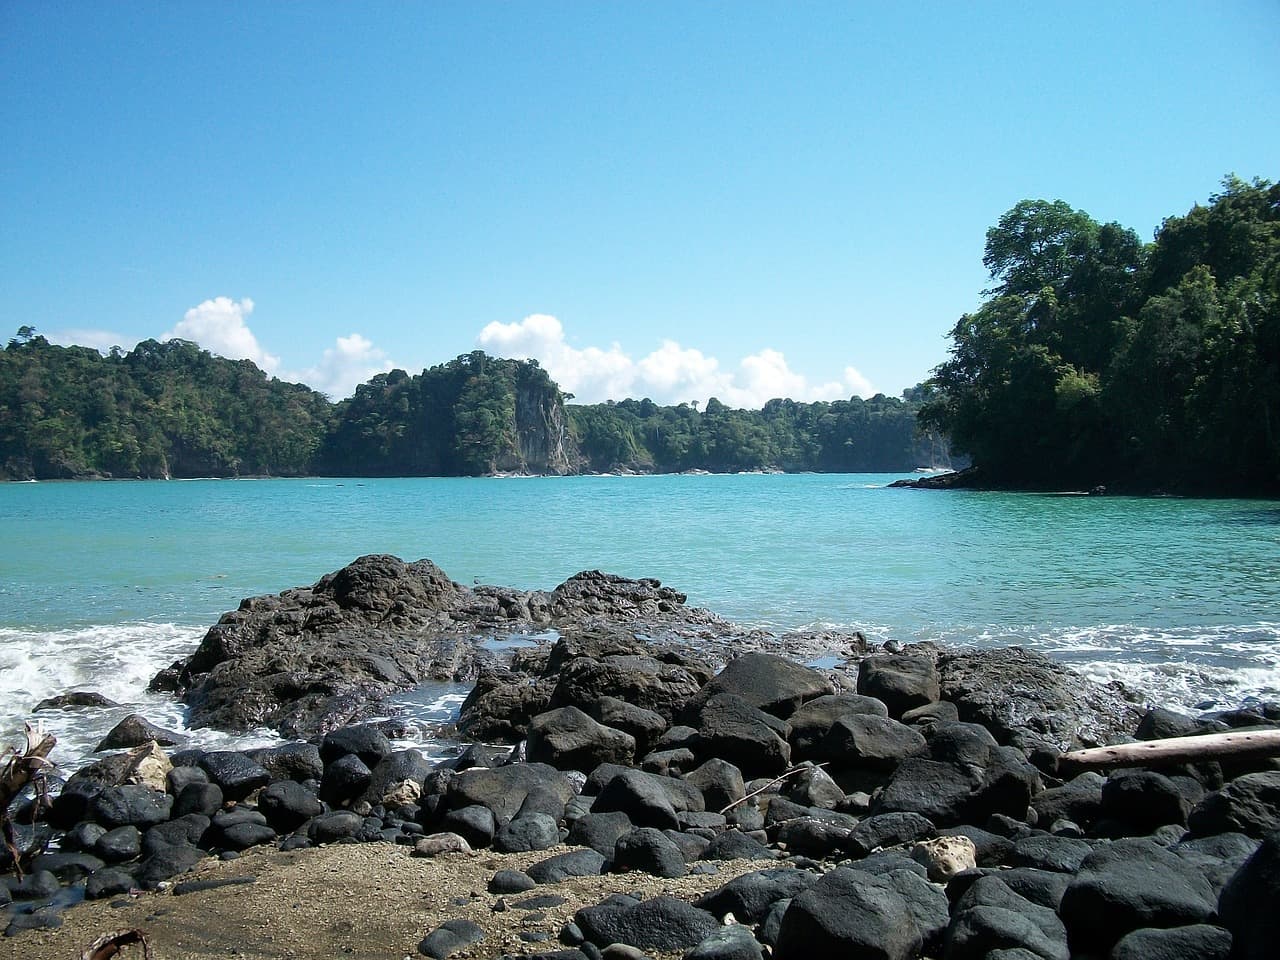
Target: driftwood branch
(110, 944)
(23, 766)
(1211, 746)
(789, 772)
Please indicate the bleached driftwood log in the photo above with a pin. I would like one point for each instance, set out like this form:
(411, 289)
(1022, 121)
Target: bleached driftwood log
(1146, 753)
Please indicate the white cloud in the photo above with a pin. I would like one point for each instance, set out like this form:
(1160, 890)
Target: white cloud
(670, 374)
(350, 362)
(858, 384)
(591, 375)
(218, 326)
(100, 340)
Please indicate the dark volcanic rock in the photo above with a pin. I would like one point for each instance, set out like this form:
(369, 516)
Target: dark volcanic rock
(505, 789)
(287, 805)
(902, 681)
(990, 917)
(650, 850)
(131, 805)
(1130, 884)
(749, 896)
(810, 723)
(234, 772)
(1248, 804)
(312, 659)
(135, 730)
(1011, 690)
(75, 700)
(850, 913)
(865, 741)
(575, 863)
(1197, 942)
(768, 682)
(569, 739)
(1248, 903)
(663, 923)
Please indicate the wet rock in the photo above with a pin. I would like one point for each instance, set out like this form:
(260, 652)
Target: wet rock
(75, 700)
(131, 805)
(119, 845)
(396, 780)
(345, 779)
(366, 741)
(109, 882)
(205, 798)
(135, 730)
(67, 867)
(235, 773)
(1010, 690)
(290, 761)
(36, 885)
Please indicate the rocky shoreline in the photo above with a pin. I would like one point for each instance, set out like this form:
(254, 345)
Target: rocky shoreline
(671, 785)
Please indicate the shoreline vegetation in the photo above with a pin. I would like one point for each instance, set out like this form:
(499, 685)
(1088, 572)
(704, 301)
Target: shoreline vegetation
(1097, 361)
(173, 410)
(656, 781)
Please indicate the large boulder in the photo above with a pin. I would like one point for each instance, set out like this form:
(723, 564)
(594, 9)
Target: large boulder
(991, 917)
(767, 682)
(1248, 903)
(810, 723)
(312, 659)
(735, 731)
(902, 681)
(1015, 692)
(1249, 804)
(1130, 884)
(567, 738)
(851, 913)
(505, 789)
(661, 924)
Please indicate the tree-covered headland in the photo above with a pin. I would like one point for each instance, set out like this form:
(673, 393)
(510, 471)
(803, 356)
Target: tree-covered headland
(1099, 359)
(173, 409)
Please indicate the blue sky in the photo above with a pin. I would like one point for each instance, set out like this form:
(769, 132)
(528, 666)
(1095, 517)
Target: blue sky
(663, 199)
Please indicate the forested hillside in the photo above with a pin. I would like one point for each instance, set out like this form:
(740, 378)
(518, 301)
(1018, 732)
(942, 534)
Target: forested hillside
(172, 409)
(163, 409)
(845, 436)
(1098, 359)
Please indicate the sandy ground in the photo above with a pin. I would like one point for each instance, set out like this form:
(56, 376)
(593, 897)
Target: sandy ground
(363, 901)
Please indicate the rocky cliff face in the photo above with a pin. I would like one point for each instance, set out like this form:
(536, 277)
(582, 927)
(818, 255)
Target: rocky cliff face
(543, 444)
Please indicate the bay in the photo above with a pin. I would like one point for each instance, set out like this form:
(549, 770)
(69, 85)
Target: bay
(101, 584)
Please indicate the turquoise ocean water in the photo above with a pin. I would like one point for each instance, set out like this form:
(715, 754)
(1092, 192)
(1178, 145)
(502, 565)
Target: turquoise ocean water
(101, 584)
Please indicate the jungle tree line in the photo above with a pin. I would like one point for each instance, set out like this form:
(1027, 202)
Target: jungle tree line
(1099, 359)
